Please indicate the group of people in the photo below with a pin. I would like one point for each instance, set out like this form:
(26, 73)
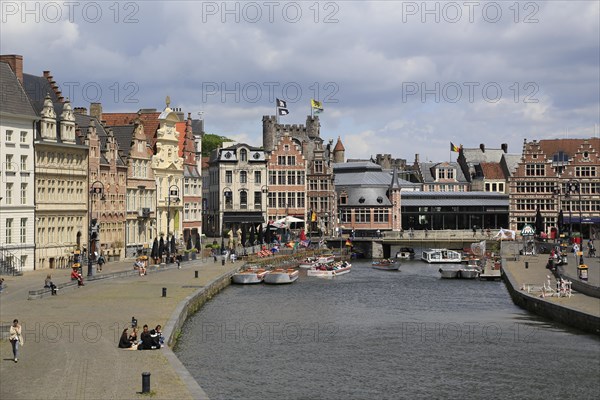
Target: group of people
(148, 340)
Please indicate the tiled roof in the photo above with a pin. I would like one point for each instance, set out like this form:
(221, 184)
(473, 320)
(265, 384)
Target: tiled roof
(568, 146)
(492, 170)
(475, 155)
(339, 146)
(149, 120)
(511, 161)
(428, 168)
(37, 87)
(14, 98)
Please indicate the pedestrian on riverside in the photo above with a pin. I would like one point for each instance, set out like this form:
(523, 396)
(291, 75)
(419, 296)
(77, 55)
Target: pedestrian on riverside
(15, 338)
(101, 262)
(474, 230)
(575, 250)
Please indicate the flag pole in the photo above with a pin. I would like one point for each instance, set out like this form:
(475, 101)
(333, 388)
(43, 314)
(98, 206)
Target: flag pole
(276, 113)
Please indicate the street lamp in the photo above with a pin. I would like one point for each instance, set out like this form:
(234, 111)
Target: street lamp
(573, 186)
(173, 191)
(94, 191)
(265, 189)
(557, 192)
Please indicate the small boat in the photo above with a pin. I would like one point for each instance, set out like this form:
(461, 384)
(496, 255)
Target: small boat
(279, 276)
(406, 253)
(308, 262)
(449, 272)
(326, 258)
(330, 270)
(386, 265)
(249, 276)
(441, 256)
(468, 273)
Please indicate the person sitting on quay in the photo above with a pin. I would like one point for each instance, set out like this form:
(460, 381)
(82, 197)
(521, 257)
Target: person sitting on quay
(133, 338)
(158, 330)
(75, 275)
(139, 266)
(124, 342)
(48, 284)
(150, 340)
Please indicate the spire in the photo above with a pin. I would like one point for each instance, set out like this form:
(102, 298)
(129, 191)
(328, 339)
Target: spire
(395, 184)
(339, 146)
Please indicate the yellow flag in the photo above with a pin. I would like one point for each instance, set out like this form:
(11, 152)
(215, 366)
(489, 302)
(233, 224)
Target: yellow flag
(316, 104)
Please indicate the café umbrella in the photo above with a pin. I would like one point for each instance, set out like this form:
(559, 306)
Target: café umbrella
(154, 253)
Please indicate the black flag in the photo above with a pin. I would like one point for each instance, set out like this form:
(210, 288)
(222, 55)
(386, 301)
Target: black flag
(283, 111)
(281, 103)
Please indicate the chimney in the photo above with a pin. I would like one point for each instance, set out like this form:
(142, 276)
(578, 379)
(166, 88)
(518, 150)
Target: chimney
(15, 62)
(482, 147)
(96, 110)
(416, 158)
(80, 110)
(504, 147)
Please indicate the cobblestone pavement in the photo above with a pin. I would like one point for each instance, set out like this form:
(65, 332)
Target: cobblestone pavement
(537, 274)
(70, 349)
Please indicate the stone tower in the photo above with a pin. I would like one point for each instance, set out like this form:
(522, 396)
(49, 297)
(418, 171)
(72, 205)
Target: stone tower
(339, 152)
(394, 195)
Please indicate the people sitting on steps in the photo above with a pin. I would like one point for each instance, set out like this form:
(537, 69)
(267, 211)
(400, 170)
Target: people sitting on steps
(48, 284)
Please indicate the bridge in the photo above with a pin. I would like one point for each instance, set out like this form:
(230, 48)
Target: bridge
(391, 241)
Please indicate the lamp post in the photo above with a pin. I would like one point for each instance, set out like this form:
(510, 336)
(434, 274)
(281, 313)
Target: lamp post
(557, 192)
(265, 189)
(96, 189)
(173, 191)
(573, 186)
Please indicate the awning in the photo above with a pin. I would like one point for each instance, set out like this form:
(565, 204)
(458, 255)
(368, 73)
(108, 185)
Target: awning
(240, 217)
(575, 220)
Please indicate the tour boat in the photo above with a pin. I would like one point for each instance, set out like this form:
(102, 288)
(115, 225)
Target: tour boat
(449, 272)
(280, 275)
(386, 265)
(441, 256)
(248, 276)
(330, 270)
(406, 253)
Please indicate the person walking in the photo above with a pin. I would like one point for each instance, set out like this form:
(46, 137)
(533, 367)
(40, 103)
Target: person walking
(15, 338)
(575, 250)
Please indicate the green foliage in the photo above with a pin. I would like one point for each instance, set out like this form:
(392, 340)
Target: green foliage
(211, 142)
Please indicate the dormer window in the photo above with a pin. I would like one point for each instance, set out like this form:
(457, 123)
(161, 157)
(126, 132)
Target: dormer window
(243, 155)
(380, 199)
(361, 200)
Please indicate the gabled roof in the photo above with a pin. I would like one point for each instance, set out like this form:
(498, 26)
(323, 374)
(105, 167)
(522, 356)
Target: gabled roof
(475, 155)
(14, 98)
(511, 161)
(568, 146)
(37, 88)
(427, 171)
(124, 137)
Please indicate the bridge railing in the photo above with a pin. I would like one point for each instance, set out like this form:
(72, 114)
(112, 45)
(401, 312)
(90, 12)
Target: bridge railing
(447, 234)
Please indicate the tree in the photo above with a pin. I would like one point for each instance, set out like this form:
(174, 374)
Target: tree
(211, 142)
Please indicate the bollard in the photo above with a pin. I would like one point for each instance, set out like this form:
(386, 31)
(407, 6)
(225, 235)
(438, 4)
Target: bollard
(223, 261)
(526, 264)
(133, 322)
(195, 274)
(145, 382)
(164, 292)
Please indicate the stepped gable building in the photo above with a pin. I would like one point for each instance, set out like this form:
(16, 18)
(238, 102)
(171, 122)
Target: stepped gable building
(286, 167)
(369, 198)
(192, 184)
(554, 176)
(107, 170)
(140, 198)
(320, 195)
(18, 120)
(237, 187)
(61, 175)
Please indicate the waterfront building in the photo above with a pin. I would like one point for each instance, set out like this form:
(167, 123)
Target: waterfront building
(440, 176)
(320, 194)
(369, 198)
(168, 172)
(237, 187)
(482, 167)
(557, 175)
(286, 167)
(61, 176)
(17, 175)
(189, 149)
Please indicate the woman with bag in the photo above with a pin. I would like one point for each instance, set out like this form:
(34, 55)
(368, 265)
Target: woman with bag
(15, 338)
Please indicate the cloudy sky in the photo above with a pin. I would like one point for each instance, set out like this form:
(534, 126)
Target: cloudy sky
(394, 77)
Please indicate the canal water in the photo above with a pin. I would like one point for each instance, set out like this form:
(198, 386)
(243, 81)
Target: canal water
(374, 334)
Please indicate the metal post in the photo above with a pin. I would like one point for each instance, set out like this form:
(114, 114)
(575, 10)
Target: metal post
(195, 274)
(168, 224)
(164, 292)
(146, 382)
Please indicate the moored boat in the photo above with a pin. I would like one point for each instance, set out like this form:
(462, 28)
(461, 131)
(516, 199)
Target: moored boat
(326, 258)
(406, 253)
(280, 276)
(308, 262)
(330, 270)
(449, 272)
(386, 265)
(441, 256)
(468, 273)
(249, 276)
